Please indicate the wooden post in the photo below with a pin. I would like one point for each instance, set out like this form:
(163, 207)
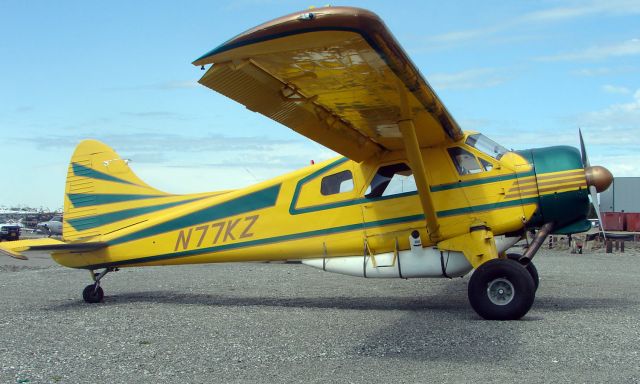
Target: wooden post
(609, 246)
(622, 246)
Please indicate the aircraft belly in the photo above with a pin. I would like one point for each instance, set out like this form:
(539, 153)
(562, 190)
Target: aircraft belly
(427, 262)
(503, 243)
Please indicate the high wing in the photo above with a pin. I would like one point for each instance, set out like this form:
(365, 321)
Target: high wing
(335, 75)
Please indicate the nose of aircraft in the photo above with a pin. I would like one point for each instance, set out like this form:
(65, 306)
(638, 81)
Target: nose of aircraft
(561, 180)
(599, 177)
(562, 196)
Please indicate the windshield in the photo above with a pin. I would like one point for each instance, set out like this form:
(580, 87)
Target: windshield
(486, 145)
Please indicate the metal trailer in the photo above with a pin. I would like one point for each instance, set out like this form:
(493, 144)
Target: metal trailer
(622, 195)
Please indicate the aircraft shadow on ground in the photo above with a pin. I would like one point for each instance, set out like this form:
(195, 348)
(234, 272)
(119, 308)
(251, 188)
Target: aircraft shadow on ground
(450, 300)
(439, 327)
(465, 337)
(391, 303)
(549, 304)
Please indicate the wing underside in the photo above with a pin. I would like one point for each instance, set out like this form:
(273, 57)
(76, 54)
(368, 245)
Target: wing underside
(336, 76)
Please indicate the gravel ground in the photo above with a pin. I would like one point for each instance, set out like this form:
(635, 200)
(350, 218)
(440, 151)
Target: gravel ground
(291, 323)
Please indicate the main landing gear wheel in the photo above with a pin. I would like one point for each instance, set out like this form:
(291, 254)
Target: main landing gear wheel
(501, 289)
(533, 271)
(92, 293)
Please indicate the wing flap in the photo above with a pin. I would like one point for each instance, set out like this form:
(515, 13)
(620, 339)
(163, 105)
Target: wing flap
(339, 78)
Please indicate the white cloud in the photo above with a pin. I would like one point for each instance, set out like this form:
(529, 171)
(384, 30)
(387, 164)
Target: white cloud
(170, 85)
(181, 152)
(615, 89)
(155, 114)
(626, 48)
(584, 9)
(611, 136)
(465, 35)
(163, 86)
(617, 124)
(468, 79)
(545, 16)
(605, 71)
(171, 162)
(591, 72)
(620, 165)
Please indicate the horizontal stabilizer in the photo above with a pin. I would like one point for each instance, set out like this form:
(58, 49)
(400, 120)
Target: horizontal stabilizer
(17, 249)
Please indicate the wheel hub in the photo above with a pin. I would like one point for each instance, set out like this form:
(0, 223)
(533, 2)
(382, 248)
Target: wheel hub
(500, 291)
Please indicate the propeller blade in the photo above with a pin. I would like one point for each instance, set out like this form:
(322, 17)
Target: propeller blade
(583, 151)
(594, 200)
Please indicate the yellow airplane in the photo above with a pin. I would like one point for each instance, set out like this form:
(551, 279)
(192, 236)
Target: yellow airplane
(411, 195)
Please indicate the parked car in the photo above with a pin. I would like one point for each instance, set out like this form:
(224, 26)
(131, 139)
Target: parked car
(9, 232)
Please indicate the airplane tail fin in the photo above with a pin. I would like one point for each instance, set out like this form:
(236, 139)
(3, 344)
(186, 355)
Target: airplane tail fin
(102, 193)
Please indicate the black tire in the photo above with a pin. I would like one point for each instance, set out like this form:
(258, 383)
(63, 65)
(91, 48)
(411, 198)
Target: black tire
(501, 289)
(533, 271)
(92, 295)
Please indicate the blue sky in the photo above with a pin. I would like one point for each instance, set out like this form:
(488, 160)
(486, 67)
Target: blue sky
(526, 73)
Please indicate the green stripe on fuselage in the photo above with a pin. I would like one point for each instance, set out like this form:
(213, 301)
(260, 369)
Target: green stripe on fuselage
(486, 180)
(90, 222)
(487, 207)
(91, 199)
(251, 243)
(250, 202)
(296, 194)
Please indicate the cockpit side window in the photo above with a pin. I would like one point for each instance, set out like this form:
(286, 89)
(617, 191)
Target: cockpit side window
(487, 165)
(486, 145)
(391, 180)
(337, 183)
(465, 162)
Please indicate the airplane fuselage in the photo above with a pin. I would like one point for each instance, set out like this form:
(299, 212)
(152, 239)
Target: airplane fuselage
(337, 208)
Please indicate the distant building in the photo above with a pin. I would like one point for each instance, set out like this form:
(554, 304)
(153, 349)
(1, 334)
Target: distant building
(622, 195)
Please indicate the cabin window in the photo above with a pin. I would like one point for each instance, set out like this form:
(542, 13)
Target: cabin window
(337, 183)
(391, 180)
(486, 145)
(487, 165)
(465, 162)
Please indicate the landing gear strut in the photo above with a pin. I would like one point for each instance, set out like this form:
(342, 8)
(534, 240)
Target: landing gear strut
(533, 271)
(93, 293)
(504, 289)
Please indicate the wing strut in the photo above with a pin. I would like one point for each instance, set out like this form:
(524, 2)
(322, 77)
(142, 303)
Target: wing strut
(414, 155)
(408, 130)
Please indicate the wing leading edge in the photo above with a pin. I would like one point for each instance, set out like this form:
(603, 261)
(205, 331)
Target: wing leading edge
(335, 75)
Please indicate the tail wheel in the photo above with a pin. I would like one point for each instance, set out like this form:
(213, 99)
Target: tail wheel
(501, 289)
(92, 293)
(533, 271)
